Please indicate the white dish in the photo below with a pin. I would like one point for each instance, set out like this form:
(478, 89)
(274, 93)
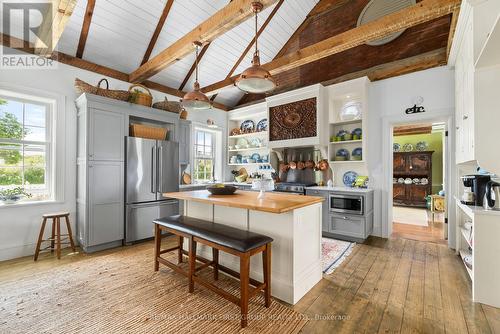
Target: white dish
(408, 180)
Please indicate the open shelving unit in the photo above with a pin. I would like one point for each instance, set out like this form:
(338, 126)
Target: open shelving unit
(340, 94)
(254, 113)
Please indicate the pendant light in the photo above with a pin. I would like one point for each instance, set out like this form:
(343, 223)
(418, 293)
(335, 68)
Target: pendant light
(256, 79)
(196, 100)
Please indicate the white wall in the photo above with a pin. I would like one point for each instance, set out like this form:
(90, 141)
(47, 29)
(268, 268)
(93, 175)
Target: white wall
(388, 100)
(19, 225)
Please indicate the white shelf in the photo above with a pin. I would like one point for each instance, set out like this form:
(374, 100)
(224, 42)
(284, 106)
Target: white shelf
(464, 253)
(354, 121)
(346, 162)
(249, 149)
(346, 142)
(466, 235)
(250, 164)
(465, 209)
(252, 134)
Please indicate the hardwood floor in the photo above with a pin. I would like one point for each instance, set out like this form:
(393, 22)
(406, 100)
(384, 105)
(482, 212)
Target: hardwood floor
(398, 286)
(431, 233)
(384, 286)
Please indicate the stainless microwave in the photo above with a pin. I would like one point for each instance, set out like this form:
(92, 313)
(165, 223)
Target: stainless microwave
(342, 203)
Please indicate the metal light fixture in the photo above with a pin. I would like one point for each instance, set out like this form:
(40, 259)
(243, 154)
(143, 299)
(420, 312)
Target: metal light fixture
(196, 100)
(256, 79)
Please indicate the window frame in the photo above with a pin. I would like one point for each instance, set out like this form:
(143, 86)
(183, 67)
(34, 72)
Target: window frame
(212, 158)
(49, 143)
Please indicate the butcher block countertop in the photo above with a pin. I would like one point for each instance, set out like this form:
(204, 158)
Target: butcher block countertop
(273, 202)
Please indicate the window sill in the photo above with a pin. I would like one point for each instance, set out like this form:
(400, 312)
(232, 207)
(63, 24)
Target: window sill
(28, 204)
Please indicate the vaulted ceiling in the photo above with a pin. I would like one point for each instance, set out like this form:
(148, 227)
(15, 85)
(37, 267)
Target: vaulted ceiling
(122, 38)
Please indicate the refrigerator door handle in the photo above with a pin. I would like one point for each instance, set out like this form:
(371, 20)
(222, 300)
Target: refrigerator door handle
(160, 169)
(153, 170)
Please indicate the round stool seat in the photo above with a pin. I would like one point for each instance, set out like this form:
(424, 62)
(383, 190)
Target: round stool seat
(56, 214)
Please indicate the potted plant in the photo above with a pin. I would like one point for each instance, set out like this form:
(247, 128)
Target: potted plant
(10, 196)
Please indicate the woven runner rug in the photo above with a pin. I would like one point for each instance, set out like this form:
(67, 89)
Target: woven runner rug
(120, 293)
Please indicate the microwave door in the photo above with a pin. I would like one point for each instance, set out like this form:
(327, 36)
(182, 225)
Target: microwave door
(168, 168)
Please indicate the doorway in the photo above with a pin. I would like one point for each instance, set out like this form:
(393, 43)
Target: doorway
(418, 182)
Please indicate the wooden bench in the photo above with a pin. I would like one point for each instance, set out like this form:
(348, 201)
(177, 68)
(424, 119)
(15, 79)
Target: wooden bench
(219, 237)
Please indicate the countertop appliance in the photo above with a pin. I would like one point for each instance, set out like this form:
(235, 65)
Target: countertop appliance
(292, 187)
(477, 184)
(346, 203)
(493, 195)
(152, 168)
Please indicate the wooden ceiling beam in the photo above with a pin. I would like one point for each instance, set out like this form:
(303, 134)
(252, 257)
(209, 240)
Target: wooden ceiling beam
(193, 67)
(224, 20)
(453, 27)
(158, 29)
(53, 29)
(321, 7)
(63, 58)
(84, 33)
(252, 42)
(423, 11)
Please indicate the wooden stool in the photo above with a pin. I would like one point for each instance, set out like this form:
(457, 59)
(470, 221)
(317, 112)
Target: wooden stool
(55, 239)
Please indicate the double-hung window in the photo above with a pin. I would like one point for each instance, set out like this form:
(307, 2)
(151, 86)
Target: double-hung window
(204, 155)
(25, 146)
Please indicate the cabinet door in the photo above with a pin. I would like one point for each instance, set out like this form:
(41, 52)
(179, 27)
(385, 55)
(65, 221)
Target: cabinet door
(399, 193)
(324, 211)
(106, 202)
(184, 142)
(419, 163)
(348, 225)
(399, 162)
(106, 142)
(417, 194)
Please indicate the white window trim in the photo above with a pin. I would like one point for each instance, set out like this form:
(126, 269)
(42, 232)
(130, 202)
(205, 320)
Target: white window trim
(57, 139)
(218, 158)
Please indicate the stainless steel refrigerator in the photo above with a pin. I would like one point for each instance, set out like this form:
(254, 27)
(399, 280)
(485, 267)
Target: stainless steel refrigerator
(152, 168)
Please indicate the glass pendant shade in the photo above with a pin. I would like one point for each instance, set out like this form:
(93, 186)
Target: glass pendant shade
(255, 79)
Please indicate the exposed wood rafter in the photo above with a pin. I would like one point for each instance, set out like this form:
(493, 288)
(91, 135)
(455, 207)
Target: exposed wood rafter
(89, 11)
(53, 29)
(156, 33)
(396, 68)
(453, 27)
(193, 67)
(423, 11)
(321, 7)
(416, 129)
(224, 20)
(9, 41)
(252, 42)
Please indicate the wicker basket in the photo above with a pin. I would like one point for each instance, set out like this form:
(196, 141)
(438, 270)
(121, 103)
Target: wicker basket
(83, 87)
(168, 106)
(139, 97)
(150, 132)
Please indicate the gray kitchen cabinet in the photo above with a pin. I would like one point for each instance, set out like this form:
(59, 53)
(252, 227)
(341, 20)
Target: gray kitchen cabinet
(184, 138)
(324, 212)
(105, 202)
(106, 132)
(102, 125)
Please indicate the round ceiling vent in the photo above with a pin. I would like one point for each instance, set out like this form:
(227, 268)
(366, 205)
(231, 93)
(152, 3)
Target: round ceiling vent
(375, 9)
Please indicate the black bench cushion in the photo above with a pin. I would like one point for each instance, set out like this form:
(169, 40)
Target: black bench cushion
(223, 235)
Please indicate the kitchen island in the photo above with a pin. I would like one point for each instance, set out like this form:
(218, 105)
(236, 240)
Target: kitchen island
(294, 222)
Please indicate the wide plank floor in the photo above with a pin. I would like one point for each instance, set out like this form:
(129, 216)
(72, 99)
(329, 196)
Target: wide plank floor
(397, 286)
(384, 286)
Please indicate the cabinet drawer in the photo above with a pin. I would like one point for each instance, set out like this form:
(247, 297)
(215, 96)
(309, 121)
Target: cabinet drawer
(353, 226)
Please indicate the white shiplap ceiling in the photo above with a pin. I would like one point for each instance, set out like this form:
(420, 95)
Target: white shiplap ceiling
(121, 30)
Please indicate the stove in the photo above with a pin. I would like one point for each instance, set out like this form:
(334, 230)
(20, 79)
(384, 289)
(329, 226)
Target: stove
(292, 187)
